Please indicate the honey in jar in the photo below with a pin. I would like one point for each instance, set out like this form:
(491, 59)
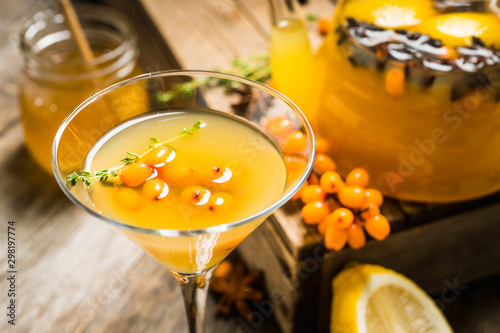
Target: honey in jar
(56, 79)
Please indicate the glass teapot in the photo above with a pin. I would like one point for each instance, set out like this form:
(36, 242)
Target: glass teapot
(408, 89)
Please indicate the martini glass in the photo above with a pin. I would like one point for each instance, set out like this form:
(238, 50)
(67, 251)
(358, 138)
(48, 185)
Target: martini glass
(190, 254)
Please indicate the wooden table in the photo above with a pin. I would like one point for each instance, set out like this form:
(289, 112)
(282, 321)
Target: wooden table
(76, 274)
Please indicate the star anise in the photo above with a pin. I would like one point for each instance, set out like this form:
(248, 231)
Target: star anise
(237, 288)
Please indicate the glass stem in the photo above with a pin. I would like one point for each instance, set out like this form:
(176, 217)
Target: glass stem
(194, 291)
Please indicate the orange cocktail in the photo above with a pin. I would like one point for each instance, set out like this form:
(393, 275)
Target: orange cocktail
(223, 170)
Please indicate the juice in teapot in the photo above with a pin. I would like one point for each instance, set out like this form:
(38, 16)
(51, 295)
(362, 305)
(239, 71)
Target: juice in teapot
(411, 93)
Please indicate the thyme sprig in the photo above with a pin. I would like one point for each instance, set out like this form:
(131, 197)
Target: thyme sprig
(104, 174)
(130, 160)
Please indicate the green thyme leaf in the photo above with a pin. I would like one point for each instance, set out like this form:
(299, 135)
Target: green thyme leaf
(128, 160)
(193, 129)
(72, 178)
(312, 17)
(169, 146)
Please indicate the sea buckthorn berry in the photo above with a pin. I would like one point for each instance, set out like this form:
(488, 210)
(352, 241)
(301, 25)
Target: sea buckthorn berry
(449, 53)
(341, 218)
(220, 202)
(297, 194)
(312, 193)
(196, 196)
(315, 212)
(325, 25)
(324, 163)
(335, 238)
(135, 174)
(159, 156)
(355, 236)
(177, 174)
(295, 142)
(313, 178)
(374, 196)
(216, 174)
(352, 196)
(369, 210)
(358, 177)
(395, 82)
(378, 227)
(331, 182)
(127, 198)
(295, 163)
(279, 126)
(322, 145)
(155, 189)
(322, 226)
(223, 269)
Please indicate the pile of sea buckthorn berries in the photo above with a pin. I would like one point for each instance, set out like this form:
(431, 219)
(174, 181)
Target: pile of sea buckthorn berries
(341, 208)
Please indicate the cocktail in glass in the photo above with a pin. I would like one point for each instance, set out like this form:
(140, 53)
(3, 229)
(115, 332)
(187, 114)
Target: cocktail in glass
(189, 175)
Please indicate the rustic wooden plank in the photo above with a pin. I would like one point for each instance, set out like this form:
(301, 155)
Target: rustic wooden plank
(155, 54)
(484, 318)
(418, 213)
(206, 34)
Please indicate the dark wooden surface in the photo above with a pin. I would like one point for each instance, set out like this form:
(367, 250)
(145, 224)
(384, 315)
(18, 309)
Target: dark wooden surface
(76, 274)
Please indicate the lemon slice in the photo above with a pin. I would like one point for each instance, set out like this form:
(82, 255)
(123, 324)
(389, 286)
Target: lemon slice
(388, 13)
(372, 299)
(457, 29)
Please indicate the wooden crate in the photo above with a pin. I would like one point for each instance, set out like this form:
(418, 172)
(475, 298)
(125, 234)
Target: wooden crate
(437, 246)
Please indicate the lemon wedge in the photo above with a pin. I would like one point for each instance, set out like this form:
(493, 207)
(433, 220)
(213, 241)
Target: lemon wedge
(388, 13)
(373, 299)
(457, 29)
